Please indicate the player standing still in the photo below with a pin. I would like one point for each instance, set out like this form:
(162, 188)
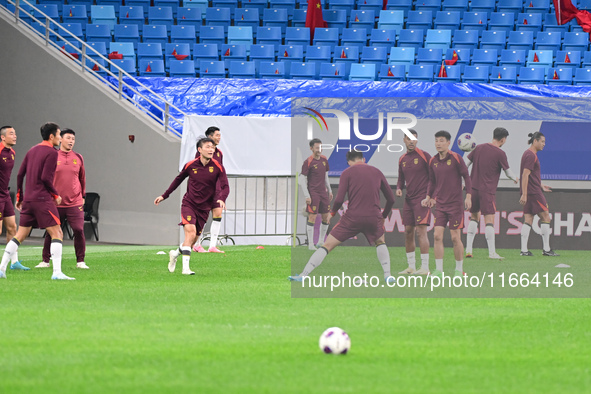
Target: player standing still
(203, 173)
(446, 170)
(316, 188)
(362, 183)
(413, 171)
(487, 161)
(532, 196)
(38, 201)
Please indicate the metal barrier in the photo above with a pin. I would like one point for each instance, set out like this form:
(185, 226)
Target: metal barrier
(156, 107)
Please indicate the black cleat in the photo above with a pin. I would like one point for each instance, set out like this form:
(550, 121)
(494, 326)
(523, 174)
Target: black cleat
(550, 253)
(528, 253)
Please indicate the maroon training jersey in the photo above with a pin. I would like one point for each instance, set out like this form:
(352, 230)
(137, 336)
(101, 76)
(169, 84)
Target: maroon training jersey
(70, 178)
(39, 167)
(487, 162)
(362, 183)
(413, 169)
(217, 155)
(445, 179)
(201, 190)
(315, 170)
(530, 161)
(6, 166)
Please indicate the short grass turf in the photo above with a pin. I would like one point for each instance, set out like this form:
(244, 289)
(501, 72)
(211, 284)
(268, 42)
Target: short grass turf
(128, 325)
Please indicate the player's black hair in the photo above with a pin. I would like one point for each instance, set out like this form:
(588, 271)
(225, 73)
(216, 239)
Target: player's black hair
(49, 129)
(443, 134)
(413, 132)
(314, 142)
(4, 128)
(211, 131)
(353, 155)
(203, 141)
(67, 131)
(534, 136)
(499, 133)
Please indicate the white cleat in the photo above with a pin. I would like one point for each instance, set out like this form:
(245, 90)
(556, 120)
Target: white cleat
(82, 265)
(172, 257)
(43, 264)
(496, 257)
(408, 271)
(422, 271)
(188, 272)
(61, 276)
(2, 275)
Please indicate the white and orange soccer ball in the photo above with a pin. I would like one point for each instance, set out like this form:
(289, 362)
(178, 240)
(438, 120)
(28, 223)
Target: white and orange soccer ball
(466, 142)
(334, 341)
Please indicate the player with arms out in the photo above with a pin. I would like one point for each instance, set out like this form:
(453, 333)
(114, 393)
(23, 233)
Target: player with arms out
(413, 171)
(487, 161)
(362, 184)
(316, 188)
(446, 170)
(38, 200)
(203, 173)
(215, 135)
(532, 196)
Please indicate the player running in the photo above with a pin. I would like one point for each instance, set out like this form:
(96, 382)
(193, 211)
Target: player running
(532, 196)
(446, 170)
(487, 161)
(362, 183)
(413, 171)
(316, 188)
(38, 201)
(203, 173)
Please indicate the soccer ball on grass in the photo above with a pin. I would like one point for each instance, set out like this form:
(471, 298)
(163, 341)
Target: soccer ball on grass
(334, 341)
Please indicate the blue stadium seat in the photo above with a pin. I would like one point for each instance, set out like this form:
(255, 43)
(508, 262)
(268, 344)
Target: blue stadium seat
(510, 57)
(75, 29)
(493, 40)
(464, 56)
(145, 4)
(447, 20)
(402, 56)
(483, 6)
(127, 33)
(318, 55)
(335, 18)
(476, 74)
(383, 38)
(290, 53)
(411, 38)
(548, 40)
(455, 5)
(420, 73)
(536, 6)
(152, 68)
(174, 4)
(212, 69)
(485, 57)
(260, 53)
(98, 46)
(374, 55)
(392, 72)
(233, 52)
(75, 14)
(126, 65)
(428, 5)
(529, 22)
(288, 5)
(370, 5)
(155, 33)
(567, 59)
(297, 36)
(503, 75)
(179, 51)
(467, 39)
(149, 51)
(230, 4)
(521, 40)
(582, 76)
(354, 37)
(271, 36)
(203, 4)
(272, 70)
(560, 76)
(302, 70)
(337, 71)
(183, 34)
(275, 18)
(182, 68)
(531, 76)
(242, 70)
(247, 17)
(132, 16)
(96, 65)
(454, 74)
(432, 56)
(240, 35)
(391, 19)
(501, 21)
(402, 5)
(586, 59)
(514, 6)
(346, 5)
(124, 48)
(190, 16)
(438, 39)
(260, 4)
(205, 52)
(362, 20)
(299, 17)
(575, 41)
(50, 10)
(550, 24)
(212, 35)
(326, 36)
(103, 15)
(474, 21)
(218, 17)
(347, 55)
(545, 59)
(362, 72)
(419, 20)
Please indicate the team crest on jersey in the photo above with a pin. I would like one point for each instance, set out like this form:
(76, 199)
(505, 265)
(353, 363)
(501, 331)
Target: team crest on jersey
(324, 163)
(4, 158)
(449, 162)
(12, 157)
(210, 169)
(403, 164)
(189, 218)
(80, 208)
(416, 161)
(194, 170)
(59, 162)
(218, 154)
(75, 161)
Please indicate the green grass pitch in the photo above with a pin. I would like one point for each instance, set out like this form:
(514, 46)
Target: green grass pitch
(127, 325)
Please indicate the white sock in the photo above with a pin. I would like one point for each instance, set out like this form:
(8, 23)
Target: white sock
(459, 265)
(545, 230)
(384, 258)
(310, 232)
(472, 229)
(56, 255)
(439, 264)
(323, 230)
(186, 252)
(315, 260)
(216, 225)
(489, 233)
(425, 261)
(525, 229)
(412, 262)
(11, 247)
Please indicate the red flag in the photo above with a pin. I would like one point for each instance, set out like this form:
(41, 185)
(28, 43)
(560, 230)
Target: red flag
(453, 60)
(566, 58)
(277, 71)
(184, 17)
(525, 21)
(442, 72)
(555, 75)
(115, 55)
(356, 18)
(242, 17)
(71, 12)
(566, 11)
(127, 15)
(390, 73)
(536, 60)
(336, 72)
(314, 17)
(531, 3)
(174, 52)
(285, 54)
(343, 55)
(180, 57)
(75, 55)
(480, 22)
(95, 67)
(227, 52)
(499, 77)
(149, 69)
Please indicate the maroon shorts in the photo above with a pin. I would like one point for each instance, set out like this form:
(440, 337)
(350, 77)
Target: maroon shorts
(6, 207)
(414, 214)
(39, 214)
(450, 216)
(535, 204)
(320, 203)
(347, 227)
(191, 215)
(483, 202)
